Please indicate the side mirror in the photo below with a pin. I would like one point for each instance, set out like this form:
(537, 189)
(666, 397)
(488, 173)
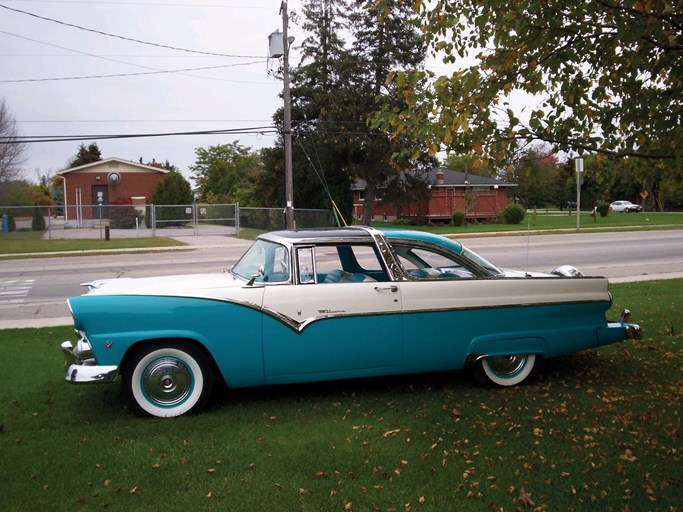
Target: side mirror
(261, 272)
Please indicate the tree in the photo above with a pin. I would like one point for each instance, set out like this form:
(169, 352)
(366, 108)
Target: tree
(320, 92)
(335, 92)
(385, 40)
(174, 189)
(38, 221)
(11, 151)
(607, 76)
(166, 165)
(226, 173)
(536, 173)
(85, 155)
(406, 188)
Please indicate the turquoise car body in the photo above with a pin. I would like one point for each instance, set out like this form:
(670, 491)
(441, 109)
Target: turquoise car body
(404, 316)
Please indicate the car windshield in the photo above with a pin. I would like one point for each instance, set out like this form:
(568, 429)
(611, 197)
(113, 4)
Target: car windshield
(267, 261)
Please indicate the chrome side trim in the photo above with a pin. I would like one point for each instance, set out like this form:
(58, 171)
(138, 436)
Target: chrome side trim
(298, 327)
(473, 359)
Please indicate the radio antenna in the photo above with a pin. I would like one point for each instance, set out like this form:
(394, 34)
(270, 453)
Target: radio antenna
(528, 240)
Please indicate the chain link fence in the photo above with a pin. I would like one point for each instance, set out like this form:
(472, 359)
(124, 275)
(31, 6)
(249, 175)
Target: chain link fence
(142, 220)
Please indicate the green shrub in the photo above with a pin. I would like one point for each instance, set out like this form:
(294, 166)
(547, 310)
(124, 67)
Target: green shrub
(513, 214)
(38, 222)
(122, 214)
(459, 217)
(603, 208)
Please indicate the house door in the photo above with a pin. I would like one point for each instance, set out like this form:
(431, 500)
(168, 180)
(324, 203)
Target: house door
(100, 197)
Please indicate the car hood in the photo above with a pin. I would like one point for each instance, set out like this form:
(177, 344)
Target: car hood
(201, 285)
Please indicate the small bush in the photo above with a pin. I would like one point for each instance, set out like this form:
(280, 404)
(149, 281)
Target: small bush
(603, 208)
(513, 214)
(38, 222)
(122, 214)
(459, 217)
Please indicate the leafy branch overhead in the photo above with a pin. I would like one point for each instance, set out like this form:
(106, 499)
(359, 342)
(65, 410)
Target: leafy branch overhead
(603, 76)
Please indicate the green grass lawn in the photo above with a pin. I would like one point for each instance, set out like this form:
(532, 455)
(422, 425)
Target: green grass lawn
(544, 221)
(29, 242)
(599, 430)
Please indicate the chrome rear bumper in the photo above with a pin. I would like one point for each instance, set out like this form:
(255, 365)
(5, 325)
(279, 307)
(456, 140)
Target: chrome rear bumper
(81, 366)
(632, 330)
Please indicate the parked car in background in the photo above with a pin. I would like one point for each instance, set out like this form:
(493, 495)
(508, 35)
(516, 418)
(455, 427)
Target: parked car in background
(625, 206)
(567, 205)
(305, 306)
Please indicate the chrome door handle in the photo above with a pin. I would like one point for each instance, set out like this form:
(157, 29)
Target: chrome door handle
(393, 288)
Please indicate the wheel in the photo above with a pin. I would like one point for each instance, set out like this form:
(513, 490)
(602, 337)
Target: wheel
(507, 370)
(167, 379)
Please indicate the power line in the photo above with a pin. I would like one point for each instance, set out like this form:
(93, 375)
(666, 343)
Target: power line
(124, 38)
(256, 130)
(69, 121)
(142, 4)
(118, 75)
(129, 63)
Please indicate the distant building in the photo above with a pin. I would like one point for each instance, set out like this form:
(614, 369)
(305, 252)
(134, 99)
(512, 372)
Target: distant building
(449, 191)
(90, 188)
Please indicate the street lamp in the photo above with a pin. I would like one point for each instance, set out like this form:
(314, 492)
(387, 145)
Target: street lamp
(495, 191)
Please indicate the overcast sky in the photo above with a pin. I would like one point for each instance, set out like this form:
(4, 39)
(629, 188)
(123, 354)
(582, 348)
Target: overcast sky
(45, 66)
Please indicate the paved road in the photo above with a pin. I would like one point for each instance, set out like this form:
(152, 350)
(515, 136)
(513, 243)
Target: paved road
(33, 291)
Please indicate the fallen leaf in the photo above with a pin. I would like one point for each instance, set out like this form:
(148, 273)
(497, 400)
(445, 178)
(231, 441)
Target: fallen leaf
(525, 498)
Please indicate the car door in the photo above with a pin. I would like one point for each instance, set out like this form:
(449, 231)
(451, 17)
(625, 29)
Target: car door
(340, 328)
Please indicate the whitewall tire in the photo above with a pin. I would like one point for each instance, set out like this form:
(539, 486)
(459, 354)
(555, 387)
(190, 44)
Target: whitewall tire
(167, 380)
(507, 370)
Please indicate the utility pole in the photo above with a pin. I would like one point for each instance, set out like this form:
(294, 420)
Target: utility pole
(289, 187)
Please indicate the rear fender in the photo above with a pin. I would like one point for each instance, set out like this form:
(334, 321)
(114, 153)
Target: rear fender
(491, 346)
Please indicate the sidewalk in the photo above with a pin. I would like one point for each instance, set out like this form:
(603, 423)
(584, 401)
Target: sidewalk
(189, 242)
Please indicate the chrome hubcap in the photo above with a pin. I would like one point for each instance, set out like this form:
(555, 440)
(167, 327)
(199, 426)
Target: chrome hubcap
(507, 365)
(167, 381)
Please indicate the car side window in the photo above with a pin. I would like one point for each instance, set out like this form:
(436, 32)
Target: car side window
(425, 264)
(268, 262)
(340, 263)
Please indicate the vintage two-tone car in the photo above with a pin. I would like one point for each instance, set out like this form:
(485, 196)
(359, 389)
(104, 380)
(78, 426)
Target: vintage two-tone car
(304, 306)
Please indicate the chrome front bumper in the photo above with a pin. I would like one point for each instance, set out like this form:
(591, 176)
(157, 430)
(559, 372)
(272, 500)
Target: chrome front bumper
(81, 366)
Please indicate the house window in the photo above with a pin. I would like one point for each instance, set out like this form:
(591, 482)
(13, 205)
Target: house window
(361, 195)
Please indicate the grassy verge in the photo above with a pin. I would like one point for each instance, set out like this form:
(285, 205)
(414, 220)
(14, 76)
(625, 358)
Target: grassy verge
(553, 221)
(29, 242)
(599, 430)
